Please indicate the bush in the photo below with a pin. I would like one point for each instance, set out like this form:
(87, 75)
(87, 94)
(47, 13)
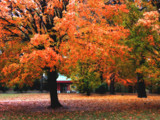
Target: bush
(17, 88)
(158, 90)
(3, 88)
(103, 88)
(36, 85)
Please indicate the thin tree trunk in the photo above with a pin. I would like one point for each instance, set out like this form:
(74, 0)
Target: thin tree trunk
(41, 84)
(141, 86)
(130, 89)
(112, 88)
(88, 92)
(52, 84)
(140, 81)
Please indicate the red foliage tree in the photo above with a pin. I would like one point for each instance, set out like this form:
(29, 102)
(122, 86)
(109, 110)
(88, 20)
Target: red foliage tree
(95, 33)
(28, 42)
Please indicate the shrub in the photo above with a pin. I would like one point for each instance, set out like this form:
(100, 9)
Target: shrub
(103, 88)
(3, 88)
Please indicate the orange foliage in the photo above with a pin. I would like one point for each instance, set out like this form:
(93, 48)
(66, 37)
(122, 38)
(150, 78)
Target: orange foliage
(90, 32)
(91, 37)
(27, 39)
(150, 20)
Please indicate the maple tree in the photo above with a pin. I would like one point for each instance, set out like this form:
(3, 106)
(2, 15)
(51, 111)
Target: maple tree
(29, 27)
(28, 42)
(95, 36)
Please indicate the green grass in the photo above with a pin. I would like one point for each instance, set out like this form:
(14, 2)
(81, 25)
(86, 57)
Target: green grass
(13, 95)
(4, 96)
(125, 115)
(19, 95)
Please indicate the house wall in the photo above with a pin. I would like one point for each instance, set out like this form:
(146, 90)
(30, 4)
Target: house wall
(63, 87)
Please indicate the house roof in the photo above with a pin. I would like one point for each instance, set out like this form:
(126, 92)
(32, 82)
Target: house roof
(63, 78)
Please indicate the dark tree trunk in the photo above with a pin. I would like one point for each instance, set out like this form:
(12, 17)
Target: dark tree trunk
(151, 87)
(130, 89)
(101, 77)
(41, 84)
(140, 81)
(52, 84)
(88, 93)
(112, 88)
(141, 86)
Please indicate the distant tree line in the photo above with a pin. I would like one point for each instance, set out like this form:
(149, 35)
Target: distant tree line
(37, 85)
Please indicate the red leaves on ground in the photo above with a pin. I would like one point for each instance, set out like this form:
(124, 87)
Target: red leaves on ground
(77, 102)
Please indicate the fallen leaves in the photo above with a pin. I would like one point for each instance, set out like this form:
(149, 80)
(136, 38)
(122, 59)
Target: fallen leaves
(77, 102)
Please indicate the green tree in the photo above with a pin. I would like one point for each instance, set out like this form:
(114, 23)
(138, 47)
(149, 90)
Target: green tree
(85, 78)
(144, 42)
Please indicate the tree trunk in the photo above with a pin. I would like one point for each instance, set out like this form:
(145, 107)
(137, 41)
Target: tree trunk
(112, 88)
(41, 84)
(140, 81)
(52, 84)
(130, 89)
(151, 87)
(141, 86)
(88, 92)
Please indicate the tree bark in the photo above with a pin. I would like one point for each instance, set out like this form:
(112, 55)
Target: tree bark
(130, 89)
(112, 88)
(88, 92)
(140, 81)
(41, 84)
(141, 86)
(52, 84)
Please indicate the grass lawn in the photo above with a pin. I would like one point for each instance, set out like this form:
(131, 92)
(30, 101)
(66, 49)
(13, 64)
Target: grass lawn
(79, 107)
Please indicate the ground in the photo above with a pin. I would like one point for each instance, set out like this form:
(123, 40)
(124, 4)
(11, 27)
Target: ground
(77, 106)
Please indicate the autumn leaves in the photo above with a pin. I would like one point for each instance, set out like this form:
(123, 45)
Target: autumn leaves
(64, 34)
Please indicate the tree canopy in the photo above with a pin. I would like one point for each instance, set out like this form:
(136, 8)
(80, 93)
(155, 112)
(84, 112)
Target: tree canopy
(101, 39)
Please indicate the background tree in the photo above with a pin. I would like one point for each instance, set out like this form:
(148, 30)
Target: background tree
(85, 78)
(143, 40)
(95, 32)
